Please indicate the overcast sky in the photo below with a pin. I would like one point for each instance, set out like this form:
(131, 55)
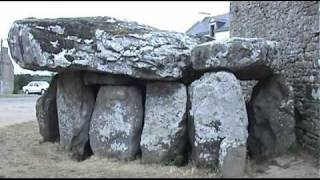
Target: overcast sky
(174, 16)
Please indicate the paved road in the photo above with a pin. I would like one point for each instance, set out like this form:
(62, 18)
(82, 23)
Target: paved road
(17, 108)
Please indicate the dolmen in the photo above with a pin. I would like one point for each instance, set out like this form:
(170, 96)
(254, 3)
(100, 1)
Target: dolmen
(126, 90)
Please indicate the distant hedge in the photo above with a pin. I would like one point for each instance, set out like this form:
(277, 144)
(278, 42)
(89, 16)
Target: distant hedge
(21, 80)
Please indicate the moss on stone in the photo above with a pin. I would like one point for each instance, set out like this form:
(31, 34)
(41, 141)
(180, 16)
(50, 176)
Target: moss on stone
(179, 160)
(82, 28)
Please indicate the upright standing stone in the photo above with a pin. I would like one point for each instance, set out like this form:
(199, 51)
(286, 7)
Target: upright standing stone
(75, 103)
(46, 111)
(117, 121)
(271, 115)
(6, 72)
(218, 123)
(164, 132)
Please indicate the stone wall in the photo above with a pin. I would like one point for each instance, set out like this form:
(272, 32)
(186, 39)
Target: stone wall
(6, 73)
(296, 26)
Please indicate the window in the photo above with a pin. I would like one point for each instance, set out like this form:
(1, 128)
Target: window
(212, 28)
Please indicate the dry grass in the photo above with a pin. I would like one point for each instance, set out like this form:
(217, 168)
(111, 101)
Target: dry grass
(21, 155)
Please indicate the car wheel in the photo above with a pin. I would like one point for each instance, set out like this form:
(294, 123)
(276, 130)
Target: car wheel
(27, 92)
(42, 91)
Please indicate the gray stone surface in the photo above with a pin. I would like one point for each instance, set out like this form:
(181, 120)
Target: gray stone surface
(46, 112)
(295, 25)
(218, 121)
(75, 103)
(271, 116)
(117, 121)
(6, 72)
(248, 58)
(247, 87)
(234, 162)
(101, 44)
(164, 134)
(92, 78)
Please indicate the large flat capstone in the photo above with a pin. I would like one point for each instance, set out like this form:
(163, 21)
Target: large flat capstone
(75, 103)
(117, 121)
(247, 58)
(101, 44)
(218, 123)
(164, 133)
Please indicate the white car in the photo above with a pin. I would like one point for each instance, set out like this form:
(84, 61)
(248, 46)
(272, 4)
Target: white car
(36, 87)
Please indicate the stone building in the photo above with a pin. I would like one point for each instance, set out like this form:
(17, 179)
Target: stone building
(6, 72)
(295, 24)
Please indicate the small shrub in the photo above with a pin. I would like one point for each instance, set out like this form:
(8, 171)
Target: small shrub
(179, 160)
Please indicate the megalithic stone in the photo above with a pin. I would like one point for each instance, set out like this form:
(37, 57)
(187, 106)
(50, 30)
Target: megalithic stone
(75, 103)
(46, 112)
(164, 135)
(218, 123)
(272, 121)
(101, 44)
(116, 123)
(247, 58)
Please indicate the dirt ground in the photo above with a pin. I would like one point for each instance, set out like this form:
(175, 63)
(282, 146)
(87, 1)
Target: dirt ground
(22, 155)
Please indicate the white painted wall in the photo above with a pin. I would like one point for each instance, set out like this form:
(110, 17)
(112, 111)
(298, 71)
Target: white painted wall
(222, 35)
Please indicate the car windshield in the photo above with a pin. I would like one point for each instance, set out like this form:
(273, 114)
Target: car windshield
(43, 83)
(40, 83)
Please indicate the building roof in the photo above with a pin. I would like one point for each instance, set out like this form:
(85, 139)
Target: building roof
(225, 19)
(202, 27)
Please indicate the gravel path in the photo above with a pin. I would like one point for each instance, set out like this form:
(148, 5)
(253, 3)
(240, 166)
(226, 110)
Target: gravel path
(17, 108)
